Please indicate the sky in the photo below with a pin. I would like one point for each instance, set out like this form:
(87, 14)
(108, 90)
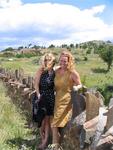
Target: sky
(46, 22)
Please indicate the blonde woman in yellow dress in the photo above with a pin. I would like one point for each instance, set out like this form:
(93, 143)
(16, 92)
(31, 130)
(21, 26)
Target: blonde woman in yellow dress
(65, 78)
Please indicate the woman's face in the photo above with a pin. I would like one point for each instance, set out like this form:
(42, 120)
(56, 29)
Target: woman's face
(48, 62)
(63, 61)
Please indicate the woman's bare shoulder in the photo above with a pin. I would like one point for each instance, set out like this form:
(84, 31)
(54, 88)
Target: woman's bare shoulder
(39, 70)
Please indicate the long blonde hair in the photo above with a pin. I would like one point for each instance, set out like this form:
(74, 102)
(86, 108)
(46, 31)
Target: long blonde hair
(45, 56)
(70, 57)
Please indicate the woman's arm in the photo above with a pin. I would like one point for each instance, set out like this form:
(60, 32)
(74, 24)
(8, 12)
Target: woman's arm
(37, 81)
(76, 78)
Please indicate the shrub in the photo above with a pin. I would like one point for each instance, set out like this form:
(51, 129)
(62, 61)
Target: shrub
(107, 92)
(27, 55)
(85, 58)
(7, 54)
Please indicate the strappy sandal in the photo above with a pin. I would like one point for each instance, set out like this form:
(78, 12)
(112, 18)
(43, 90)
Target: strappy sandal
(54, 147)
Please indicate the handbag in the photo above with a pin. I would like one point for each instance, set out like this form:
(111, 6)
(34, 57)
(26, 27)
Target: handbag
(38, 109)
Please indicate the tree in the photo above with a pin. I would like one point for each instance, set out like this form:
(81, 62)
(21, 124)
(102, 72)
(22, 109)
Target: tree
(20, 47)
(76, 45)
(64, 45)
(9, 49)
(106, 53)
(51, 46)
(71, 46)
(84, 46)
(108, 41)
(36, 47)
(29, 45)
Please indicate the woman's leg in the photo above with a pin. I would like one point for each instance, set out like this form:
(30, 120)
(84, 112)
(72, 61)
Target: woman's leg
(55, 137)
(44, 132)
(46, 129)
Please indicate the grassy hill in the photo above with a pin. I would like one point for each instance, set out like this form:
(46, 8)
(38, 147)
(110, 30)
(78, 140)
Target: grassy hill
(92, 69)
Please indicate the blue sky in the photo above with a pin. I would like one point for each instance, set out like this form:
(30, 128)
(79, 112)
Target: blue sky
(45, 22)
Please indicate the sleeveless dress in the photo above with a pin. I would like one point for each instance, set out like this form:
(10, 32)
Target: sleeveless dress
(44, 107)
(46, 88)
(63, 105)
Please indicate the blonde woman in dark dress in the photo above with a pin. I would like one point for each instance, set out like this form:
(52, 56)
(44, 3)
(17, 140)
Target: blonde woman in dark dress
(44, 85)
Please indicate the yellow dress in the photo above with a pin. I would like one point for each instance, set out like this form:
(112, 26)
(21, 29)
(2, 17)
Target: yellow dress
(63, 105)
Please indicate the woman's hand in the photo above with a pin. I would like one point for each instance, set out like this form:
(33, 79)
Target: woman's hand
(38, 96)
(108, 139)
(76, 88)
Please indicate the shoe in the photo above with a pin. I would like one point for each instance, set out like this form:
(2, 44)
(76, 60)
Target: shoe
(54, 147)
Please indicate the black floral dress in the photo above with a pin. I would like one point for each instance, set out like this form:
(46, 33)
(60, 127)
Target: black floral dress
(46, 88)
(45, 106)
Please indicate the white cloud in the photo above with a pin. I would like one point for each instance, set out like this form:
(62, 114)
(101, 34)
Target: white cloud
(53, 23)
(10, 3)
(95, 10)
(49, 17)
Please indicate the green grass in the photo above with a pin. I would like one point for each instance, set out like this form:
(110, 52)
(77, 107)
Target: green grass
(92, 72)
(25, 63)
(13, 133)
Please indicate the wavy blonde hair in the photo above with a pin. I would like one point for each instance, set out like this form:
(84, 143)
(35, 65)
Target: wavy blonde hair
(42, 60)
(70, 57)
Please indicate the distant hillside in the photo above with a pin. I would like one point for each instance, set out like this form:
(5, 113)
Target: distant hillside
(90, 46)
(93, 45)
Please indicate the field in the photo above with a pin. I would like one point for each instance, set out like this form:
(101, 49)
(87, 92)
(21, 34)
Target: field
(92, 71)
(12, 123)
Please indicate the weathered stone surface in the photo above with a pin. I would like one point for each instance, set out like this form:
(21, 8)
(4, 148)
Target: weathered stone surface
(79, 103)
